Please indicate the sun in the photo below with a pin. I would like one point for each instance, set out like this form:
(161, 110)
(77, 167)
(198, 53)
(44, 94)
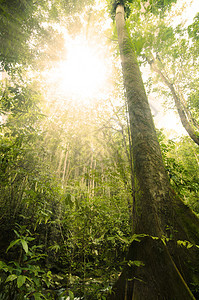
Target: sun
(82, 74)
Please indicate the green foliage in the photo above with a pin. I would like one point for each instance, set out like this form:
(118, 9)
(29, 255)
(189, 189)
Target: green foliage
(181, 162)
(66, 179)
(193, 29)
(23, 19)
(173, 56)
(22, 240)
(78, 215)
(157, 7)
(112, 5)
(24, 277)
(156, 36)
(161, 3)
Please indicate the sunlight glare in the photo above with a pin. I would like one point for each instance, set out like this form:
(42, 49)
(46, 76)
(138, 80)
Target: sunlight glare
(82, 74)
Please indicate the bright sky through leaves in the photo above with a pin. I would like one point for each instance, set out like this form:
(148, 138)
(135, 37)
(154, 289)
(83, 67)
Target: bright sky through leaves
(82, 75)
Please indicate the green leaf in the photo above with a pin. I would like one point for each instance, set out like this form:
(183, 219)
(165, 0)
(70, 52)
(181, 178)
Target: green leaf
(136, 263)
(17, 234)
(185, 243)
(21, 280)
(13, 243)
(28, 278)
(37, 296)
(110, 238)
(11, 277)
(2, 265)
(137, 237)
(30, 239)
(123, 239)
(36, 280)
(71, 295)
(24, 245)
(49, 275)
(55, 247)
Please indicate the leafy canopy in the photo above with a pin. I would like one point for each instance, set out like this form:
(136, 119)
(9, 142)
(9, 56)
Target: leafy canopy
(153, 6)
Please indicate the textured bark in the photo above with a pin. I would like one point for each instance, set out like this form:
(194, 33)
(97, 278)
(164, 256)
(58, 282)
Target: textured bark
(158, 278)
(180, 108)
(158, 211)
(151, 175)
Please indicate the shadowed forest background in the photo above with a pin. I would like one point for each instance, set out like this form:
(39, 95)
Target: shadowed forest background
(72, 203)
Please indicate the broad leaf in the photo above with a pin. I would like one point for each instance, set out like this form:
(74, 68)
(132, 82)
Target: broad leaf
(21, 280)
(13, 243)
(24, 245)
(11, 277)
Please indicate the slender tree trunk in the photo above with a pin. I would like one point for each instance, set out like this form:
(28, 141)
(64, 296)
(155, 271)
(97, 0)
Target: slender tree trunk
(158, 212)
(91, 183)
(65, 164)
(182, 110)
(60, 164)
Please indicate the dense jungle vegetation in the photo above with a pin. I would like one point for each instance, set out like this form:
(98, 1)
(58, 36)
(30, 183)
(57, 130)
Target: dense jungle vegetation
(70, 176)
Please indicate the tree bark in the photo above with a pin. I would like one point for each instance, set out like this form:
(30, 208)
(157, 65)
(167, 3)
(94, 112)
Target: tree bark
(158, 212)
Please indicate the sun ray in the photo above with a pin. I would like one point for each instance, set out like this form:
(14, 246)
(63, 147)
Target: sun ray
(82, 74)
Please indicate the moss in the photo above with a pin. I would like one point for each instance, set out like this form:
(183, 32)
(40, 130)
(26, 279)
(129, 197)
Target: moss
(156, 278)
(186, 220)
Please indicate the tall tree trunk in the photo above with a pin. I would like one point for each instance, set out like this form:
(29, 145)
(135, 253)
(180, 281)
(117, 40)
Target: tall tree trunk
(158, 212)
